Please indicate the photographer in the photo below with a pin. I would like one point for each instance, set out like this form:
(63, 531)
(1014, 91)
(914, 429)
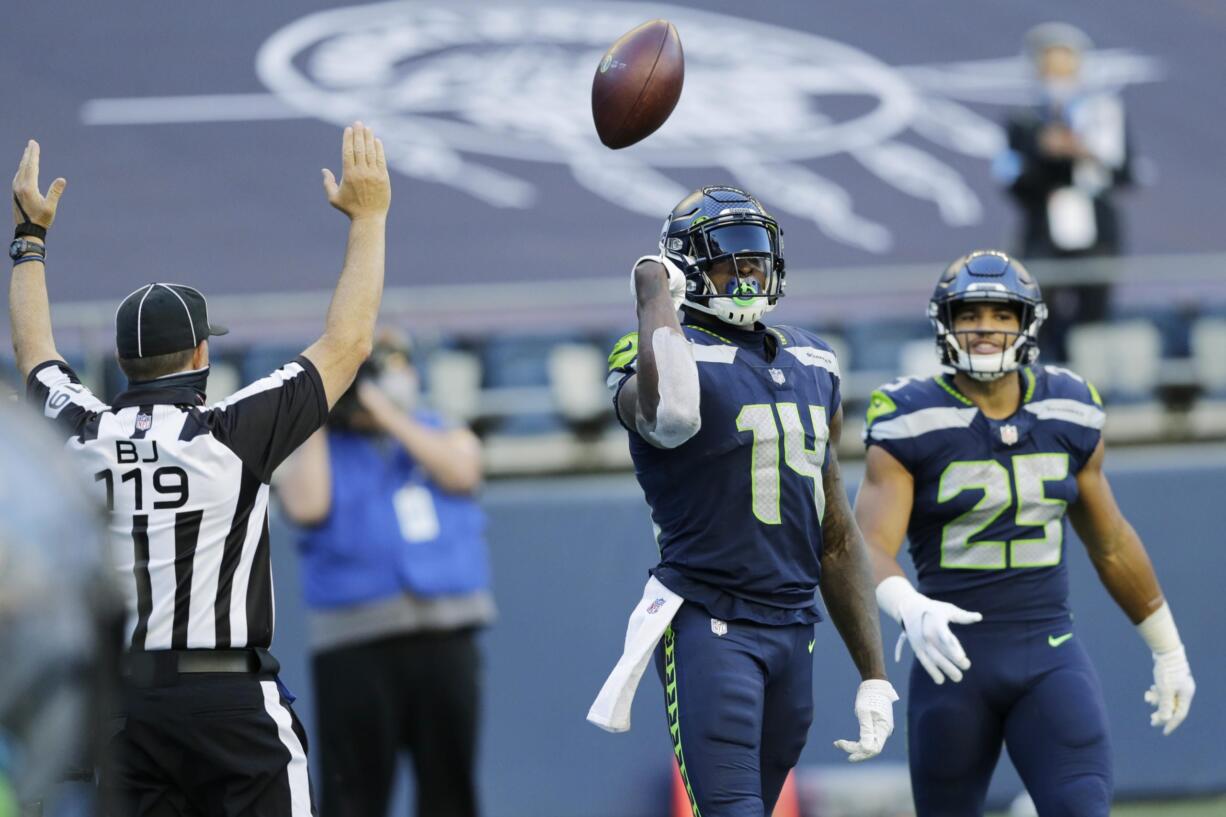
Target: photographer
(396, 574)
(1069, 156)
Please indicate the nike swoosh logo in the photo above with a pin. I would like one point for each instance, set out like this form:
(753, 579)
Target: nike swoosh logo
(624, 349)
(811, 643)
(1057, 640)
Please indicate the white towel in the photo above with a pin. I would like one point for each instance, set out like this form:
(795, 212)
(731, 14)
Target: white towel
(651, 617)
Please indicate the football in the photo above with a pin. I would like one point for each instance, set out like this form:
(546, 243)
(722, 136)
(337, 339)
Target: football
(637, 84)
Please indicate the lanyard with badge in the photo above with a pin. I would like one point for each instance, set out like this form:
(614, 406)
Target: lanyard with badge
(415, 511)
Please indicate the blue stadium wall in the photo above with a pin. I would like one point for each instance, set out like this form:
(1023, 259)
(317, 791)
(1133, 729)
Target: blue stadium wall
(570, 557)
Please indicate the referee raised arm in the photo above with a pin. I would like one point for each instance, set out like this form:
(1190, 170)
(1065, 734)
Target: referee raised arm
(205, 727)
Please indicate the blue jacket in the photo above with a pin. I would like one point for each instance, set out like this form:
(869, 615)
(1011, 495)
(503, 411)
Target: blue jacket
(390, 529)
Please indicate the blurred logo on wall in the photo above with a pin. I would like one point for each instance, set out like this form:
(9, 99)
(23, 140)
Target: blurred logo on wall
(470, 95)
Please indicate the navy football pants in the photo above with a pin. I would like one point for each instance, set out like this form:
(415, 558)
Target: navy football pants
(1030, 685)
(739, 708)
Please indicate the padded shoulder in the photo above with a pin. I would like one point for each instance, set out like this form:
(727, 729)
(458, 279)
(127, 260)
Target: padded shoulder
(904, 396)
(1059, 394)
(623, 358)
(1065, 384)
(911, 406)
(624, 351)
(807, 348)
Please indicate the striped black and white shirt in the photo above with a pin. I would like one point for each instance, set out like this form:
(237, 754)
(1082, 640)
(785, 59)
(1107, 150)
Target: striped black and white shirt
(187, 490)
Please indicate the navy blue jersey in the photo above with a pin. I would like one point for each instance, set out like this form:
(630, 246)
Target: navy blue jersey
(739, 506)
(987, 526)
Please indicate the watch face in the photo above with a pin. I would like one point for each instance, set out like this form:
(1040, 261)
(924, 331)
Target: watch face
(20, 247)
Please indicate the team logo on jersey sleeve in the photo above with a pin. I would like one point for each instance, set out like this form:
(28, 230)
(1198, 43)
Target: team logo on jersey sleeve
(144, 422)
(1008, 434)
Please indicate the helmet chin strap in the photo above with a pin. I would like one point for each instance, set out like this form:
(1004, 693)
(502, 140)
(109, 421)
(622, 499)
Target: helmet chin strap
(727, 310)
(741, 305)
(986, 377)
(984, 368)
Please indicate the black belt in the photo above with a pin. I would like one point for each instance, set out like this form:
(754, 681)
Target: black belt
(162, 667)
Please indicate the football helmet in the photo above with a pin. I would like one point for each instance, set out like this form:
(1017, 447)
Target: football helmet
(987, 276)
(716, 223)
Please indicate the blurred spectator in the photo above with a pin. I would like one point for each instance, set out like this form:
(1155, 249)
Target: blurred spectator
(61, 626)
(396, 573)
(1066, 157)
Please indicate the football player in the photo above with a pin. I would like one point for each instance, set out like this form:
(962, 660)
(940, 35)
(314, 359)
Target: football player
(733, 427)
(977, 471)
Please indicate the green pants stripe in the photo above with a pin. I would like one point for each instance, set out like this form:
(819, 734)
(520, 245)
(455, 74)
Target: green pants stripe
(674, 716)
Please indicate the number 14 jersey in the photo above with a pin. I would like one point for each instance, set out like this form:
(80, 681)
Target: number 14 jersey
(738, 507)
(987, 525)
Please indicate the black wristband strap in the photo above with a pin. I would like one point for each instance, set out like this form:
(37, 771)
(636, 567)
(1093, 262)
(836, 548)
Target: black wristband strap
(29, 228)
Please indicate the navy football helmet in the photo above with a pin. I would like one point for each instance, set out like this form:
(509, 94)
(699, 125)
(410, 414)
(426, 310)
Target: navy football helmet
(993, 277)
(716, 223)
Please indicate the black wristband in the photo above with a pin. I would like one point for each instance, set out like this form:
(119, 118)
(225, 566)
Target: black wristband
(29, 228)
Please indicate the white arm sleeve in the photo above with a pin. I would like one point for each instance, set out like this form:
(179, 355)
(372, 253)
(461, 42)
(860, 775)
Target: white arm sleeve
(677, 416)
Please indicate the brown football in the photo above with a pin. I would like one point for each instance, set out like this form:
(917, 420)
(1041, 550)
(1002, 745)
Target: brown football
(637, 83)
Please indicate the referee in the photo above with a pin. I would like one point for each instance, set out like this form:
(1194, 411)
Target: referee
(205, 728)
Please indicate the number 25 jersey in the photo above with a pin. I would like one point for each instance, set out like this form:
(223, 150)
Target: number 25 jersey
(738, 507)
(987, 525)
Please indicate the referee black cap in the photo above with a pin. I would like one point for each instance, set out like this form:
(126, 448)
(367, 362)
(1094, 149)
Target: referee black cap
(158, 319)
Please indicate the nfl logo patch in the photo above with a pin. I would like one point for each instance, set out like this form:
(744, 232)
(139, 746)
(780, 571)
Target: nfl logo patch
(1008, 434)
(777, 376)
(719, 627)
(654, 607)
(144, 422)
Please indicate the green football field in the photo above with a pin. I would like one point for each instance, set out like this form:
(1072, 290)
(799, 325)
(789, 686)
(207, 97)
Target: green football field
(1211, 807)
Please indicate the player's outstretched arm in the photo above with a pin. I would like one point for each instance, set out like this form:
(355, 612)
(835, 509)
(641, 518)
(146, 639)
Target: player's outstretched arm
(364, 194)
(883, 510)
(1127, 573)
(661, 399)
(29, 307)
(847, 589)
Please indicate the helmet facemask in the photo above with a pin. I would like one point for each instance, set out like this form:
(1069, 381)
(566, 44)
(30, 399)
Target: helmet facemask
(740, 239)
(1020, 347)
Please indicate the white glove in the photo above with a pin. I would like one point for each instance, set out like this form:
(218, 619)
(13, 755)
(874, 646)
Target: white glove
(1172, 690)
(1173, 685)
(676, 278)
(925, 625)
(875, 711)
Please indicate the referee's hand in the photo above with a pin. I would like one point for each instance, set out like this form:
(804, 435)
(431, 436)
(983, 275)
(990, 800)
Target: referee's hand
(37, 209)
(365, 190)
